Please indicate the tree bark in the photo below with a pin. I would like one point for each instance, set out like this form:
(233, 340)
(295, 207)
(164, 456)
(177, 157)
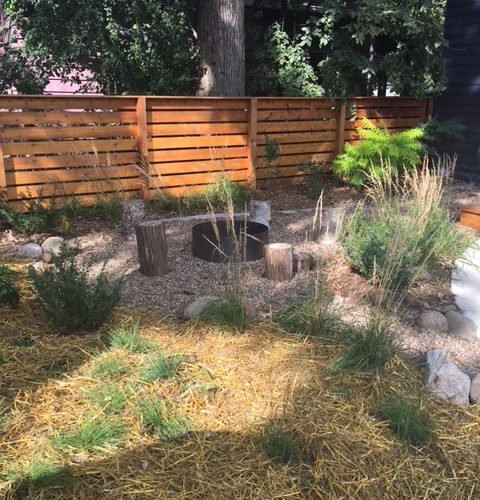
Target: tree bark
(279, 261)
(221, 41)
(152, 248)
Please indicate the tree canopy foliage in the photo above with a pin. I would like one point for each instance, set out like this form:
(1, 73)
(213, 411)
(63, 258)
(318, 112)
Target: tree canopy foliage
(294, 47)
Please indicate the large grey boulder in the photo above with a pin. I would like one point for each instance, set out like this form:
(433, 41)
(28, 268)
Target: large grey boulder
(195, 308)
(432, 320)
(31, 251)
(460, 326)
(52, 245)
(444, 378)
(475, 390)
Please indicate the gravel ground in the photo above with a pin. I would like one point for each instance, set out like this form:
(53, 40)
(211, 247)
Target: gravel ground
(189, 277)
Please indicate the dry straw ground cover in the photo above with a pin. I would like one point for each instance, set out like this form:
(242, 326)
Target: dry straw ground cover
(227, 388)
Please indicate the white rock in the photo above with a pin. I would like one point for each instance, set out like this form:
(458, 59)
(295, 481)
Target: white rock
(41, 266)
(460, 326)
(337, 301)
(46, 257)
(432, 320)
(475, 390)
(195, 308)
(445, 380)
(31, 251)
(52, 245)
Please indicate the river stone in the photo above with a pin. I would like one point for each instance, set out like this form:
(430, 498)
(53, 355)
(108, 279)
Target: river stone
(53, 245)
(432, 320)
(195, 308)
(445, 380)
(460, 326)
(475, 390)
(31, 251)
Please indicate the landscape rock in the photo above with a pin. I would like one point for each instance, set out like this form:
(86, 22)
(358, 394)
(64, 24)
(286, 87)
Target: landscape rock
(31, 251)
(460, 326)
(41, 266)
(445, 380)
(195, 308)
(432, 320)
(449, 307)
(475, 390)
(337, 301)
(46, 257)
(52, 245)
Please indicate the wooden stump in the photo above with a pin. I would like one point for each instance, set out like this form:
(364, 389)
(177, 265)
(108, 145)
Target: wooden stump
(152, 248)
(302, 262)
(279, 261)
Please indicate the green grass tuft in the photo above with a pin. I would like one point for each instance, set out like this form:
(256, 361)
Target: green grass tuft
(9, 294)
(38, 474)
(110, 397)
(407, 419)
(107, 367)
(279, 443)
(370, 347)
(159, 419)
(311, 317)
(93, 435)
(229, 313)
(162, 367)
(128, 337)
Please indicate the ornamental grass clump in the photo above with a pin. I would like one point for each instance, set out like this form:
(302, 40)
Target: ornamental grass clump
(407, 223)
(71, 300)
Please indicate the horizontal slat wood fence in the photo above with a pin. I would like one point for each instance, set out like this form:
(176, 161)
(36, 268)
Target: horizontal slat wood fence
(86, 146)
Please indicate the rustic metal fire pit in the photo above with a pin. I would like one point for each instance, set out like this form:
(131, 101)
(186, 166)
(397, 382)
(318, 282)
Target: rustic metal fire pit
(206, 246)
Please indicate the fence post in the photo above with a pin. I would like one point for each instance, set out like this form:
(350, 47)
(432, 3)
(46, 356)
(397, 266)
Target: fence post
(3, 179)
(252, 143)
(340, 127)
(142, 145)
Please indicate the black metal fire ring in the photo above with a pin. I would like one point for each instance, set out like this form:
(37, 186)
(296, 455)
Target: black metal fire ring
(206, 246)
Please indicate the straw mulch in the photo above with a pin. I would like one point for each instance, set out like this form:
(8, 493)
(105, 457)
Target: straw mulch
(256, 376)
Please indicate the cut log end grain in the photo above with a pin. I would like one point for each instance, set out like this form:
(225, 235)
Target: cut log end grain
(152, 248)
(279, 261)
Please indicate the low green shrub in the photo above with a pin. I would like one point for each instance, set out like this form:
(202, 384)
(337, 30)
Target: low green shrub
(436, 133)
(93, 435)
(9, 294)
(380, 154)
(313, 175)
(279, 443)
(407, 419)
(156, 416)
(39, 217)
(404, 231)
(70, 299)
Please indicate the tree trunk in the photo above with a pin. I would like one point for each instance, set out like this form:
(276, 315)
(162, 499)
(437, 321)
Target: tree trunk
(279, 261)
(221, 41)
(152, 248)
(302, 262)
